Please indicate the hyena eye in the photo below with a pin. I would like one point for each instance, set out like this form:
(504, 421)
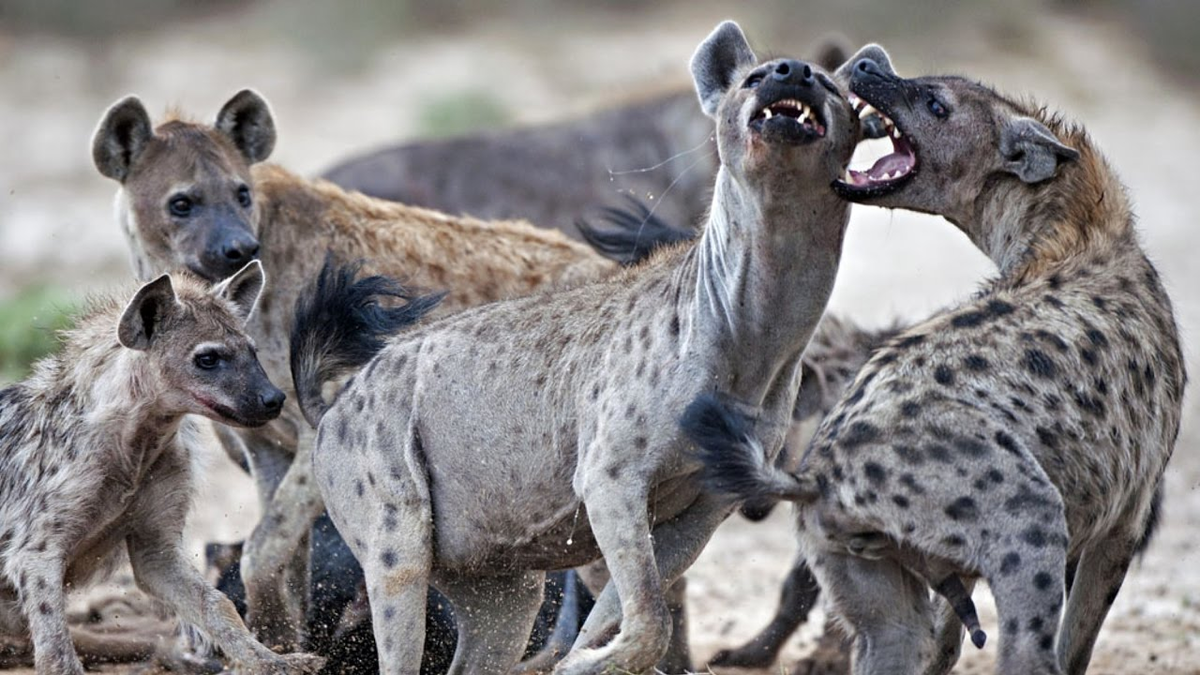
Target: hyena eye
(940, 111)
(753, 81)
(207, 360)
(243, 196)
(180, 206)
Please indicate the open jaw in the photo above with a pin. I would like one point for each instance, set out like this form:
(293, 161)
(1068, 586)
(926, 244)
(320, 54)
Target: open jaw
(789, 120)
(890, 171)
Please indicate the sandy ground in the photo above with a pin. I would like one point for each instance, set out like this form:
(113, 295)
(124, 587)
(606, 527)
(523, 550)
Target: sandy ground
(55, 221)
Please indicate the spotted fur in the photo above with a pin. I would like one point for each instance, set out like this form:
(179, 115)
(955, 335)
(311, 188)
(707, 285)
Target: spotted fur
(539, 433)
(1019, 435)
(93, 464)
(292, 223)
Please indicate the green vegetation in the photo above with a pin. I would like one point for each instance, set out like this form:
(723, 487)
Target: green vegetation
(461, 113)
(28, 323)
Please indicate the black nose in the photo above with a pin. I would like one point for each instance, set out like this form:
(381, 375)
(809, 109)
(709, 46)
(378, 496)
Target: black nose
(869, 68)
(240, 250)
(791, 71)
(272, 400)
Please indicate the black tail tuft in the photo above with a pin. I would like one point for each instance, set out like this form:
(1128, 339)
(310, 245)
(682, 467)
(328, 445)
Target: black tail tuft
(635, 233)
(723, 438)
(340, 325)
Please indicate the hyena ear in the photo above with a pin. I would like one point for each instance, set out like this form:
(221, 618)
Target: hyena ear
(144, 314)
(831, 51)
(1031, 151)
(246, 120)
(722, 54)
(872, 51)
(121, 136)
(243, 289)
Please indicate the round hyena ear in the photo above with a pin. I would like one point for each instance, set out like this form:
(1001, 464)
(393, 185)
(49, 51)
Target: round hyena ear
(243, 289)
(1031, 151)
(831, 51)
(144, 314)
(246, 119)
(120, 137)
(722, 54)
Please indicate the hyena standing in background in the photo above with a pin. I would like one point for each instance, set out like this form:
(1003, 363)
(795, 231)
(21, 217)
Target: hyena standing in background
(1021, 437)
(657, 148)
(92, 464)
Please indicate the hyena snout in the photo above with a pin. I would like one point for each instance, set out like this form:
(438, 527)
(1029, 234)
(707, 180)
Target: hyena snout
(255, 399)
(265, 403)
(228, 250)
(791, 71)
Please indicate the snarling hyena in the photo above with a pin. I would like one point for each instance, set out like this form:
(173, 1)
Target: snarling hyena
(197, 197)
(539, 433)
(1020, 437)
(92, 464)
(657, 147)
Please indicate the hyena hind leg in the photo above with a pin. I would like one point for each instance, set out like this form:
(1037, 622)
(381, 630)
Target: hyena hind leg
(885, 607)
(1101, 571)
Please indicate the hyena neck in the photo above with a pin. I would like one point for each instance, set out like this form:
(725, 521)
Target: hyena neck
(144, 268)
(762, 272)
(1034, 232)
(293, 237)
(110, 388)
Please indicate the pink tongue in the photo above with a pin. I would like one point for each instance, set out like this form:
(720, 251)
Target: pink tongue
(889, 164)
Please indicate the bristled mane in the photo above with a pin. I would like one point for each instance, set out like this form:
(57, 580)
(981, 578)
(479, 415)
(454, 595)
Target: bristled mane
(1085, 208)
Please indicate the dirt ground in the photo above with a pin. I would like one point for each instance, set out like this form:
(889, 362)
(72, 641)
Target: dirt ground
(56, 222)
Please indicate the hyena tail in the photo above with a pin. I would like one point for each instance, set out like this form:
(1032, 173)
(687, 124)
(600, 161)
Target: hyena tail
(951, 588)
(340, 326)
(634, 234)
(735, 463)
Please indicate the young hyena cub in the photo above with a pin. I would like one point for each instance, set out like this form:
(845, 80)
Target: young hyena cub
(91, 463)
(535, 434)
(1021, 437)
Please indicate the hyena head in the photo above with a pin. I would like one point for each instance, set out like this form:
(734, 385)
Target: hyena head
(776, 120)
(186, 199)
(951, 138)
(195, 344)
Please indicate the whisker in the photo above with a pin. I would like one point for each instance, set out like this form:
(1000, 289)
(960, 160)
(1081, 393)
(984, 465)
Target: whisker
(706, 141)
(650, 212)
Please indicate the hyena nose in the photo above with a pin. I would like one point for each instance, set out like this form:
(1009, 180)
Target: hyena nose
(272, 400)
(868, 67)
(791, 71)
(241, 250)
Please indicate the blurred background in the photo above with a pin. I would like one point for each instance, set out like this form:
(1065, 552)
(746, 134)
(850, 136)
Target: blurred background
(349, 76)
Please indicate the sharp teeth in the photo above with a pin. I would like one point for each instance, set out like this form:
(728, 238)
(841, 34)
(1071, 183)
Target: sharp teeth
(767, 113)
(866, 110)
(803, 116)
(895, 132)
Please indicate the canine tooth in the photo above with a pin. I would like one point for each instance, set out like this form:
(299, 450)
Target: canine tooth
(895, 132)
(767, 113)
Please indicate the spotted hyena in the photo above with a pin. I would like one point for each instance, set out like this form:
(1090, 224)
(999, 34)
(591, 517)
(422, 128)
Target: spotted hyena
(92, 465)
(573, 396)
(1020, 437)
